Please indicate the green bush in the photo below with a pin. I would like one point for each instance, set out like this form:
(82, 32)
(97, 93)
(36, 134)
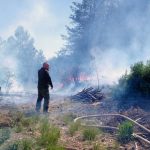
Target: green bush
(17, 117)
(133, 88)
(35, 119)
(18, 127)
(125, 132)
(4, 135)
(26, 122)
(21, 121)
(89, 133)
(26, 144)
(137, 82)
(12, 146)
(30, 120)
(49, 134)
(74, 127)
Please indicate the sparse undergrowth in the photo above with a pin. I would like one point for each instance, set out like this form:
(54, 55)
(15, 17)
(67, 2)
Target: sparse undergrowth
(125, 132)
(90, 133)
(47, 139)
(21, 122)
(73, 127)
(38, 133)
(24, 144)
(4, 135)
(12, 146)
(49, 136)
(102, 146)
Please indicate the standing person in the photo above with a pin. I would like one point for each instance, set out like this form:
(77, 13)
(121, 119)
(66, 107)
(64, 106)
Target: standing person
(44, 81)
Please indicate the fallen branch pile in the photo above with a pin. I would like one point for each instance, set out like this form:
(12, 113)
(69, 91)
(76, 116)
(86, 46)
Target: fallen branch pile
(89, 95)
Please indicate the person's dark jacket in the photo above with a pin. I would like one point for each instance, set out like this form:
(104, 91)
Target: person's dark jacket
(44, 79)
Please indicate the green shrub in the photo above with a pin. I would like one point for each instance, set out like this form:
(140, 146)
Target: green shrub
(35, 119)
(26, 122)
(136, 83)
(49, 134)
(90, 133)
(17, 117)
(125, 132)
(26, 144)
(18, 128)
(4, 135)
(74, 127)
(44, 127)
(12, 146)
(50, 137)
(134, 87)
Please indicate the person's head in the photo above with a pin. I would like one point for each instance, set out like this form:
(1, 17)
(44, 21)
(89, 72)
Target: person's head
(46, 66)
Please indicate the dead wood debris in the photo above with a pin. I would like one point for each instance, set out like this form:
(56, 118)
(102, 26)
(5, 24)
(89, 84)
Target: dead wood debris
(89, 95)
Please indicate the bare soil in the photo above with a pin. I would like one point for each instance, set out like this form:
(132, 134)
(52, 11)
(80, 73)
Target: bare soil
(62, 105)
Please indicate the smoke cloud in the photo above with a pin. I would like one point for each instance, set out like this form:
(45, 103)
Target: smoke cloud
(20, 61)
(106, 38)
(121, 36)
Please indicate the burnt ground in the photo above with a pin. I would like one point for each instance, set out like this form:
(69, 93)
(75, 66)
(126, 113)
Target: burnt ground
(61, 106)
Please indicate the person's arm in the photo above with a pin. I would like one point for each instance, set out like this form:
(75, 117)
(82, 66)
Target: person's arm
(49, 80)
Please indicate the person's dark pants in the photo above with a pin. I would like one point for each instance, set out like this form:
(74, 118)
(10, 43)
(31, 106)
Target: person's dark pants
(43, 93)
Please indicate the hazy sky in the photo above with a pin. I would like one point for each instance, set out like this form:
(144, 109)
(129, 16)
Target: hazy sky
(44, 19)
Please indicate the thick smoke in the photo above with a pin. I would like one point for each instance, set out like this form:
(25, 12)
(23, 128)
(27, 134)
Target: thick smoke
(121, 36)
(107, 37)
(20, 61)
